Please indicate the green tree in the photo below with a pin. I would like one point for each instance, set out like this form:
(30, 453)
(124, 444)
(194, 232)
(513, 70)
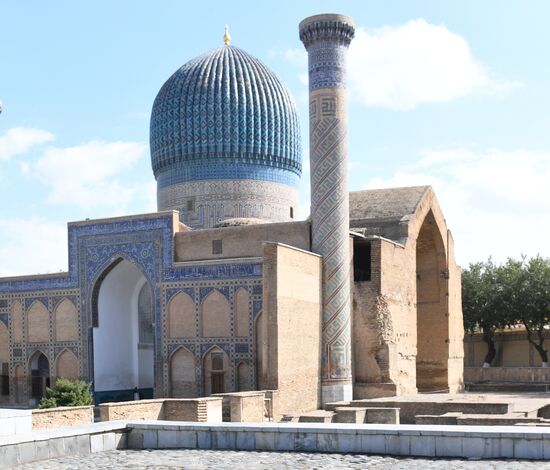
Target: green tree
(482, 303)
(67, 392)
(526, 286)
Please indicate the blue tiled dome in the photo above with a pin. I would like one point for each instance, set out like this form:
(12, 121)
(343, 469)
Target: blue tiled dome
(224, 115)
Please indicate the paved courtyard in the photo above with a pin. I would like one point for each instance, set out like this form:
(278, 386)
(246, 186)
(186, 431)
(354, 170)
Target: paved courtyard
(218, 459)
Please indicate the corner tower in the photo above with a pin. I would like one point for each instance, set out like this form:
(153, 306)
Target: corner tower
(225, 141)
(327, 38)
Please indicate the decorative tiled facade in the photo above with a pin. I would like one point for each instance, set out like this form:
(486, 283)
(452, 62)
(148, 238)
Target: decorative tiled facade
(147, 242)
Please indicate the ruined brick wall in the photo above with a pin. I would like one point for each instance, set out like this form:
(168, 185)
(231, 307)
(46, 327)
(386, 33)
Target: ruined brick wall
(456, 322)
(407, 320)
(383, 328)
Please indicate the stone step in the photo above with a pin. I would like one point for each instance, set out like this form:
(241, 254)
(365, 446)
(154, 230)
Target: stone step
(487, 387)
(494, 420)
(476, 419)
(318, 416)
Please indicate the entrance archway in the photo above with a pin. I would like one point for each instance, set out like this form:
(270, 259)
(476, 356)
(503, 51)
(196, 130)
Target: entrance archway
(122, 337)
(432, 309)
(40, 376)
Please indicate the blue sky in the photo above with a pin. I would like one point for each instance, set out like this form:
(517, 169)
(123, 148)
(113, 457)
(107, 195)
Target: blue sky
(453, 94)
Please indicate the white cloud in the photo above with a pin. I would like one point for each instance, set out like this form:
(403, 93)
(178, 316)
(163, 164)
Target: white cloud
(400, 67)
(91, 175)
(496, 202)
(18, 140)
(296, 56)
(31, 246)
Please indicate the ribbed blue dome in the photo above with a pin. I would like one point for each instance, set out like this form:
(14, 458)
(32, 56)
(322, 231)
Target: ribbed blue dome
(224, 115)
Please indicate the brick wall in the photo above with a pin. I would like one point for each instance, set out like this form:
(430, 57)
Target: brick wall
(206, 409)
(62, 417)
(292, 311)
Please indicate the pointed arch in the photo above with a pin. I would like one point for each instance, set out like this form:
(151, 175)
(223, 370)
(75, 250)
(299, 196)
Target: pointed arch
(38, 320)
(181, 316)
(66, 321)
(215, 315)
(242, 312)
(39, 373)
(66, 365)
(183, 380)
(16, 321)
(119, 361)
(432, 310)
(216, 371)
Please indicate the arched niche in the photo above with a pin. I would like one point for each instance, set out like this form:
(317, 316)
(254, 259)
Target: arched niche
(215, 315)
(38, 321)
(66, 321)
(242, 312)
(181, 316)
(66, 365)
(16, 321)
(183, 381)
(243, 377)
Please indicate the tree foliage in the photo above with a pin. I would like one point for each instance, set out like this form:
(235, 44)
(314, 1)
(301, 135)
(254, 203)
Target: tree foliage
(527, 298)
(67, 392)
(482, 304)
(514, 293)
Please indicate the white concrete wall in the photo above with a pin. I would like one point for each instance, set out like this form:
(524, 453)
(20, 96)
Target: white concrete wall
(14, 422)
(476, 442)
(116, 359)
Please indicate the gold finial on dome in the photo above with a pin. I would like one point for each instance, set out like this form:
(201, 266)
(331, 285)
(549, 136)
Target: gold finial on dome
(226, 36)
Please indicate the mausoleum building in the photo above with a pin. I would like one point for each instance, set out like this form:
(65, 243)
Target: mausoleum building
(223, 289)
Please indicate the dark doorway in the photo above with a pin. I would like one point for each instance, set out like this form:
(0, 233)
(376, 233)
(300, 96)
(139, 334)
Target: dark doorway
(40, 376)
(218, 382)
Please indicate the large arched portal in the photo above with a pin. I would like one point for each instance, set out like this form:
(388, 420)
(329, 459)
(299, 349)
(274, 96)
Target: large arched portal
(432, 309)
(122, 319)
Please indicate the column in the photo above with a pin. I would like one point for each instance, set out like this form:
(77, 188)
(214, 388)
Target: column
(326, 38)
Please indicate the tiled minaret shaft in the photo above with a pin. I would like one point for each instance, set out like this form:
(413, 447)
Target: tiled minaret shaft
(326, 38)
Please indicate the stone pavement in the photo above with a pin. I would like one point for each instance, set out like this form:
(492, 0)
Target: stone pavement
(219, 459)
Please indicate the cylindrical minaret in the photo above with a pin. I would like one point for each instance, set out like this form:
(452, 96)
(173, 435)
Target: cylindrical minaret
(326, 38)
